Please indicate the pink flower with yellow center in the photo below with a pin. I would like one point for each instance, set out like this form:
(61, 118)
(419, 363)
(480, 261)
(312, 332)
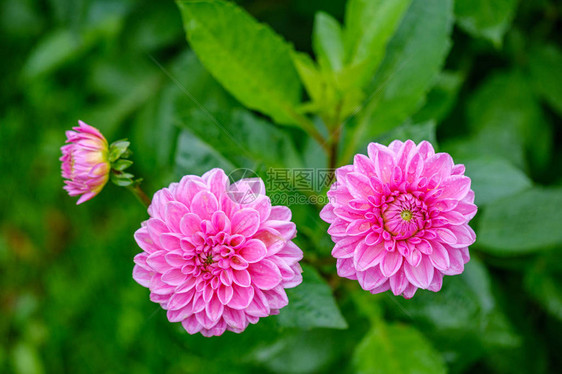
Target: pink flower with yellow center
(399, 218)
(217, 256)
(85, 163)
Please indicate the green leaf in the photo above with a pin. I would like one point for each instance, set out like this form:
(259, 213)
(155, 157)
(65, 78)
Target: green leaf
(523, 223)
(117, 149)
(396, 349)
(241, 137)
(193, 156)
(416, 132)
(403, 78)
(328, 42)
(463, 320)
(247, 58)
(121, 165)
(300, 351)
(546, 75)
(441, 98)
(494, 178)
(504, 114)
(54, 50)
(311, 77)
(369, 25)
(543, 282)
(311, 304)
(486, 19)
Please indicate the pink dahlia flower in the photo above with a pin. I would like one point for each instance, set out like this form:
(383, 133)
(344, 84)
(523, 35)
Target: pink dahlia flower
(85, 163)
(399, 218)
(213, 263)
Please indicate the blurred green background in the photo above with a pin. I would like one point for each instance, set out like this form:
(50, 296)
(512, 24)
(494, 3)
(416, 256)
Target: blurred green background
(67, 299)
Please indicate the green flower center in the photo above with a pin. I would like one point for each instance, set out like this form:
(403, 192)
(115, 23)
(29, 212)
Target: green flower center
(406, 215)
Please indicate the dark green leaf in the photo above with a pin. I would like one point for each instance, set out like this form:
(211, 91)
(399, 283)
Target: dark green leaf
(543, 282)
(505, 115)
(247, 58)
(463, 319)
(194, 156)
(546, 74)
(523, 223)
(311, 304)
(396, 349)
(441, 98)
(487, 19)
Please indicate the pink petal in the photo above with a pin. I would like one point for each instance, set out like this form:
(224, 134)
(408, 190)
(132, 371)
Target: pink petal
(170, 242)
(265, 274)
(421, 275)
(253, 250)
(439, 257)
(241, 298)
(174, 213)
(235, 318)
(455, 187)
(173, 277)
(391, 263)
(359, 186)
(142, 276)
(366, 257)
(259, 306)
(245, 222)
(280, 213)
(190, 224)
(220, 222)
(214, 308)
(241, 277)
(224, 294)
(191, 325)
(371, 278)
(398, 283)
(204, 204)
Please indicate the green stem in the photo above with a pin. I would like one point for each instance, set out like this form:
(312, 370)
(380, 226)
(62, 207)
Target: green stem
(139, 194)
(309, 127)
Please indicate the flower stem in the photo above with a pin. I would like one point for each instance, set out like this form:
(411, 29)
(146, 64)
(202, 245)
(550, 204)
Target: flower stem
(139, 194)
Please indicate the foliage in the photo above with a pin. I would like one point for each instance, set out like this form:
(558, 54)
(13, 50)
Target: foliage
(263, 84)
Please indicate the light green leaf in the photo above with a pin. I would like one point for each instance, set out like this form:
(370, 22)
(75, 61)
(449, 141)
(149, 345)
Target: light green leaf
(311, 304)
(494, 178)
(546, 74)
(251, 61)
(396, 349)
(311, 77)
(328, 42)
(523, 223)
(403, 78)
(484, 18)
(369, 25)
